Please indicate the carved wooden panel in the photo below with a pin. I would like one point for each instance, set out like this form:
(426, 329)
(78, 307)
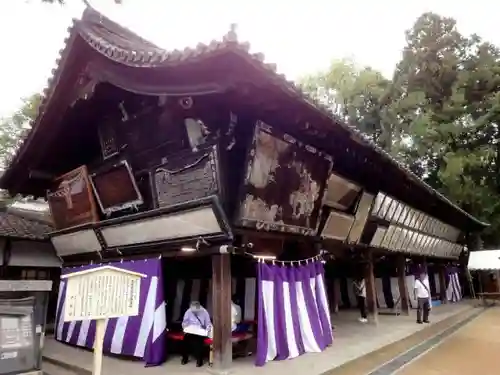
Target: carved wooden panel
(108, 139)
(115, 188)
(71, 202)
(186, 176)
(151, 135)
(284, 183)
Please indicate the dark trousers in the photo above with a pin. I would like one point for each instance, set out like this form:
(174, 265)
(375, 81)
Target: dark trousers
(423, 307)
(362, 306)
(193, 345)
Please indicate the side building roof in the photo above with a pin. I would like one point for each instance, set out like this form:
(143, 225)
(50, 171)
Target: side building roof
(120, 48)
(15, 225)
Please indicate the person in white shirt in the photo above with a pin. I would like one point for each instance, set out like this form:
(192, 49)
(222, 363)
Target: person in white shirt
(360, 292)
(423, 296)
(235, 314)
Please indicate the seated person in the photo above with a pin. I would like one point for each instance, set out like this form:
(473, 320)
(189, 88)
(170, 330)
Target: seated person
(195, 318)
(235, 314)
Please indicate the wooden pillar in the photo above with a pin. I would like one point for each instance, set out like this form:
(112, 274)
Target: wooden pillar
(221, 306)
(442, 284)
(371, 292)
(403, 290)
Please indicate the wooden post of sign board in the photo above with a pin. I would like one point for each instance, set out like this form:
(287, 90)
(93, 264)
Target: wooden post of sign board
(98, 344)
(403, 290)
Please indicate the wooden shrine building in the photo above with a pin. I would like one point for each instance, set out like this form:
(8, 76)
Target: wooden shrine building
(142, 151)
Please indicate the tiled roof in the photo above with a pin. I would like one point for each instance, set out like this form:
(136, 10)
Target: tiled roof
(125, 47)
(15, 226)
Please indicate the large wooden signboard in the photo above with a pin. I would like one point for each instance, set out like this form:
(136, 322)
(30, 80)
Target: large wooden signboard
(71, 202)
(102, 293)
(186, 177)
(99, 294)
(284, 183)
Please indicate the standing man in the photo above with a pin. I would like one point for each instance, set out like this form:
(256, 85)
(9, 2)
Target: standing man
(360, 292)
(423, 296)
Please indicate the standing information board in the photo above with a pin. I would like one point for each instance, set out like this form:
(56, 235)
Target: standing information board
(99, 294)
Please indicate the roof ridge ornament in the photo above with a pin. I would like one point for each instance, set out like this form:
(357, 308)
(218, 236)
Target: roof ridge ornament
(232, 35)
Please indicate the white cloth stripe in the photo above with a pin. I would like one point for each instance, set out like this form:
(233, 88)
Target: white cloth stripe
(119, 335)
(84, 331)
(160, 322)
(147, 318)
(268, 301)
(290, 333)
(71, 329)
(61, 302)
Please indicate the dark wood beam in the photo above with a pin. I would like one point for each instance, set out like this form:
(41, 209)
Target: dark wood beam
(40, 175)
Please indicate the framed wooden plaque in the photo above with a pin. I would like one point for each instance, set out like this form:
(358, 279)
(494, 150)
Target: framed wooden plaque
(71, 202)
(115, 188)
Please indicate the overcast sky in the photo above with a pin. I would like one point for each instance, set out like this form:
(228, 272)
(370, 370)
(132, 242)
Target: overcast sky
(299, 36)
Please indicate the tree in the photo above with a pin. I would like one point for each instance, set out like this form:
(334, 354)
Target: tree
(439, 113)
(457, 138)
(11, 128)
(361, 96)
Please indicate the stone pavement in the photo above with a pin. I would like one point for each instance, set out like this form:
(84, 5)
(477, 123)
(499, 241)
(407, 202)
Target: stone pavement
(473, 349)
(352, 340)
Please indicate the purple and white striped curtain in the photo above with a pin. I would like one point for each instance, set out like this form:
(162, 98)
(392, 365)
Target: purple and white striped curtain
(293, 313)
(142, 336)
(454, 290)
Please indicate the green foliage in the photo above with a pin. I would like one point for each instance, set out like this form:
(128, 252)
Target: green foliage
(12, 127)
(439, 113)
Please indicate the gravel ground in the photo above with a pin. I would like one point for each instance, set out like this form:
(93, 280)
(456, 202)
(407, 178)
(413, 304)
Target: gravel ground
(473, 350)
